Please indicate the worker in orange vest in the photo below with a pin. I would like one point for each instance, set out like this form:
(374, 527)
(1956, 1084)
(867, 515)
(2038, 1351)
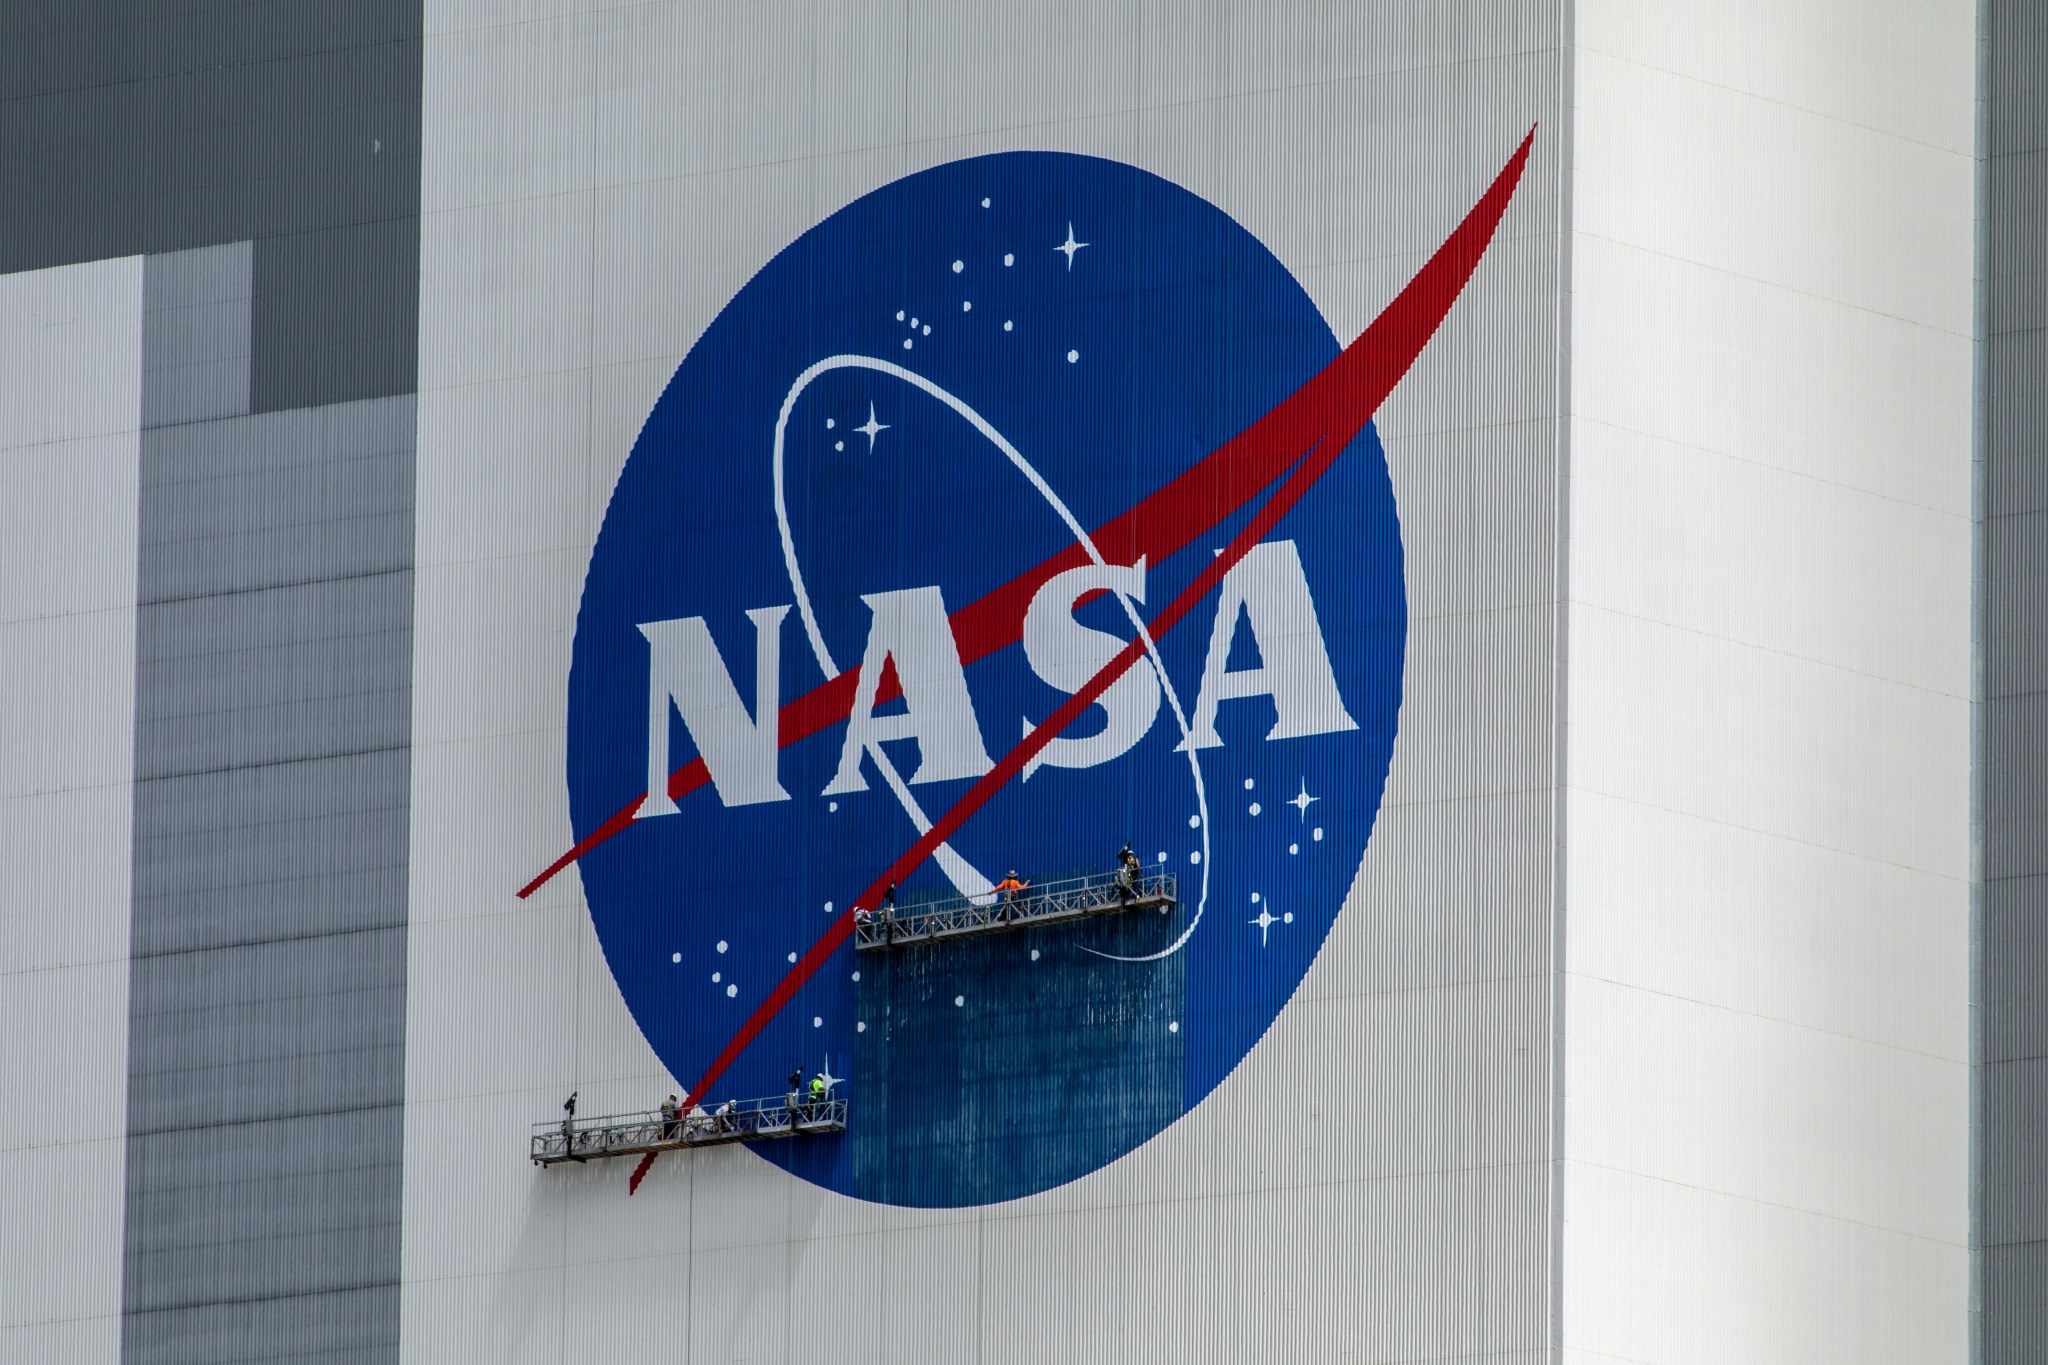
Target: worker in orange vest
(1009, 888)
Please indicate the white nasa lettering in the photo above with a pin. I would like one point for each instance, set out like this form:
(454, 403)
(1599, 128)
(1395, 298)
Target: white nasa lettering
(910, 627)
(1066, 654)
(1268, 586)
(684, 669)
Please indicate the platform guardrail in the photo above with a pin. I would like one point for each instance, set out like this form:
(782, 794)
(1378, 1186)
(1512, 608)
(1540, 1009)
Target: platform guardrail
(1069, 898)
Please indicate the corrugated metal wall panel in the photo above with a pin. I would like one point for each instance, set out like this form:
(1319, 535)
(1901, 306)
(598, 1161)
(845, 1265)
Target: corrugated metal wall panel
(597, 186)
(2012, 1018)
(70, 458)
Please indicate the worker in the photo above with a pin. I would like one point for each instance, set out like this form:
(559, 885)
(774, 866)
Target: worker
(819, 1089)
(670, 1129)
(722, 1117)
(1126, 875)
(1009, 888)
(796, 1090)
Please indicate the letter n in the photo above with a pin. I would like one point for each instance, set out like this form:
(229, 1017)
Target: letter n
(685, 671)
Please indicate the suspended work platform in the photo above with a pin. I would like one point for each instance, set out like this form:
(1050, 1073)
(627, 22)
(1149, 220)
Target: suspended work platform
(633, 1134)
(1098, 893)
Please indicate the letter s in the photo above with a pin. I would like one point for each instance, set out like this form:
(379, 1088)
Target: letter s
(1066, 654)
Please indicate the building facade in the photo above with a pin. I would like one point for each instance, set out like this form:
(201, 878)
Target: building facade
(540, 538)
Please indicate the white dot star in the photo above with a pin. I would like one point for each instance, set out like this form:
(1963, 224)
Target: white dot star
(1303, 801)
(1070, 246)
(826, 1071)
(1266, 920)
(871, 428)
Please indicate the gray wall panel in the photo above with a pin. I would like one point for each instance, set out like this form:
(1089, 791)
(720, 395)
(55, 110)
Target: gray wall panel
(275, 675)
(2012, 1046)
(2015, 1312)
(246, 1033)
(195, 343)
(247, 855)
(2015, 1152)
(2016, 659)
(2016, 404)
(346, 1322)
(2015, 771)
(2013, 989)
(137, 127)
(347, 297)
(280, 498)
(273, 711)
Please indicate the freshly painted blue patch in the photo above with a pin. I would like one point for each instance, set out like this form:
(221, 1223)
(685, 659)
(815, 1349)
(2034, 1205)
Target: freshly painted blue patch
(1112, 329)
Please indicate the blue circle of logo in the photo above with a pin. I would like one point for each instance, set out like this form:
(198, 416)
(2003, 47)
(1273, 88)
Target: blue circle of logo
(924, 476)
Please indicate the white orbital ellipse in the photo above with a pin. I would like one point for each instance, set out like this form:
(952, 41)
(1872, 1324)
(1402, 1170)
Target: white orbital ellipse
(966, 878)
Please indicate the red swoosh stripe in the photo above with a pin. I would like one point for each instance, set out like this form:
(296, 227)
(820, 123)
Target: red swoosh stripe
(1322, 416)
(1206, 494)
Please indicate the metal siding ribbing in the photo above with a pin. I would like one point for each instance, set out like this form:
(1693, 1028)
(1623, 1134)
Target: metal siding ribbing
(2012, 1045)
(274, 641)
(136, 127)
(69, 404)
(1373, 1182)
(1769, 649)
(268, 978)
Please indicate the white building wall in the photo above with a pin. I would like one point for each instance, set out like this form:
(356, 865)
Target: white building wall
(598, 182)
(70, 418)
(1766, 1150)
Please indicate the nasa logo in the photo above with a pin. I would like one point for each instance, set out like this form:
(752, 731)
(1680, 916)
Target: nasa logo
(983, 445)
